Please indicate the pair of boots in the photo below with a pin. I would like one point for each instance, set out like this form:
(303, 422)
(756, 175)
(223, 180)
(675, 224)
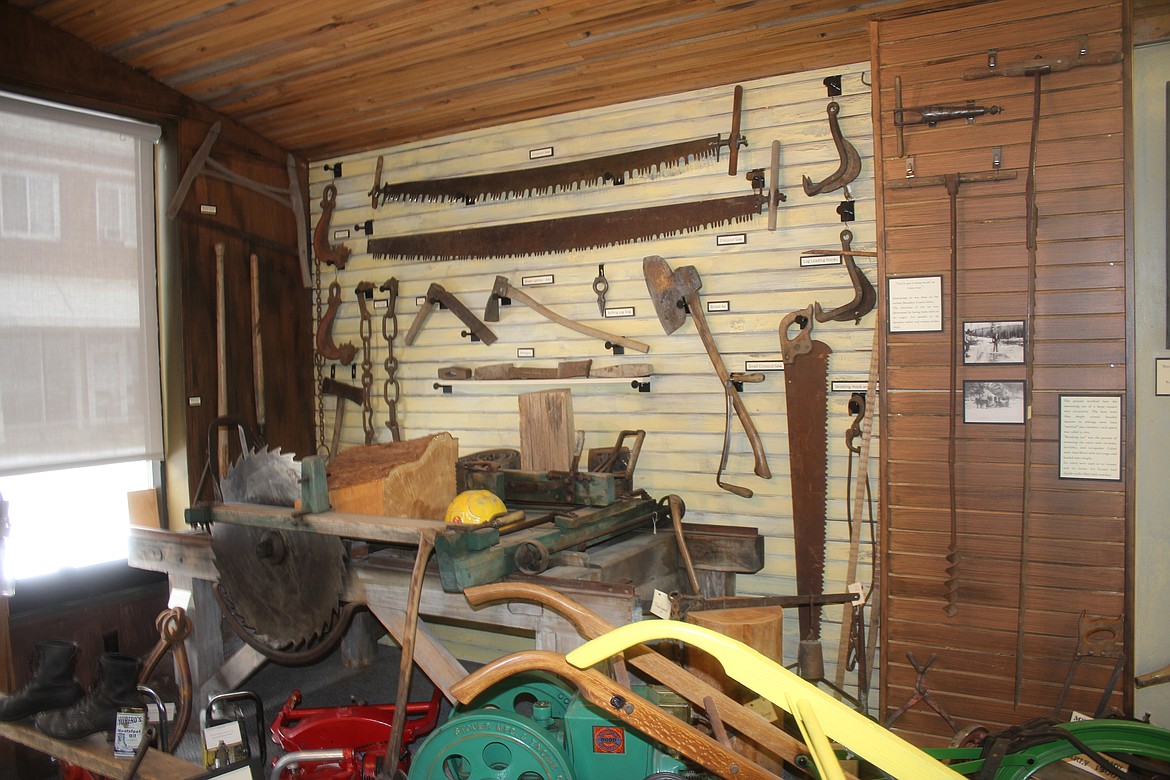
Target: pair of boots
(59, 702)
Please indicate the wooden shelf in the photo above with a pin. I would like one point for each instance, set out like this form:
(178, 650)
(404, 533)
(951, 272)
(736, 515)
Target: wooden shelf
(641, 384)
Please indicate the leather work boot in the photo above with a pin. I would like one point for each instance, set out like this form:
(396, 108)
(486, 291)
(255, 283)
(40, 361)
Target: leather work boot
(117, 687)
(53, 685)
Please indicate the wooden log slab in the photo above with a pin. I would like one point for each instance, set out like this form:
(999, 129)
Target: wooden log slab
(548, 439)
(569, 369)
(759, 627)
(414, 479)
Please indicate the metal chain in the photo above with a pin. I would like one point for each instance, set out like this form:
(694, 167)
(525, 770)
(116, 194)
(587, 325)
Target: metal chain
(319, 364)
(390, 333)
(364, 292)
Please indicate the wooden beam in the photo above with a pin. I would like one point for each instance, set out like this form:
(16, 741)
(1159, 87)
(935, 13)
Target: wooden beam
(97, 755)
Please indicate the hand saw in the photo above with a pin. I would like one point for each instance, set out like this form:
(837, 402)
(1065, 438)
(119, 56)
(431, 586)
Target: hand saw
(565, 234)
(806, 363)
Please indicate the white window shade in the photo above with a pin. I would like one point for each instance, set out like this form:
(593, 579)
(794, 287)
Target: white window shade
(79, 377)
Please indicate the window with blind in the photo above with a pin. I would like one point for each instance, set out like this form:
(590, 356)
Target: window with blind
(80, 403)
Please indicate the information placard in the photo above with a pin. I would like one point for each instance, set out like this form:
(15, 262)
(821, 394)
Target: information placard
(1090, 437)
(915, 304)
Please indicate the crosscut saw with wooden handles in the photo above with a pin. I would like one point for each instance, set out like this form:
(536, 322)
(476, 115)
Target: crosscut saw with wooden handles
(806, 368)
(567, 176)
(565, 234)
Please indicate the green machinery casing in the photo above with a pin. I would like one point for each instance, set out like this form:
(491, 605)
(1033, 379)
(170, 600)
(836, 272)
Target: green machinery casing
(532, 726)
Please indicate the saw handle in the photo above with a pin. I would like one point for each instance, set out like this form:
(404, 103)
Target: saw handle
(801, 343)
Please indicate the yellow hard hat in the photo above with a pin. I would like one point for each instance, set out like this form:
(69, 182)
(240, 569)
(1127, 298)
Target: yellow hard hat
(472, 507)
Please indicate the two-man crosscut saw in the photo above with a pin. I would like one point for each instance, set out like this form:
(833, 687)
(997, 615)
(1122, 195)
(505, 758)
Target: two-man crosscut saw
(566, 176)
(806, 369)
(589, 231)
(565, 234)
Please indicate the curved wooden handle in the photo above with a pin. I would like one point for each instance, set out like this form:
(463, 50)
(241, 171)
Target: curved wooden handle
(745, 418)
(622, 704)
(591, 625)
(587, 330)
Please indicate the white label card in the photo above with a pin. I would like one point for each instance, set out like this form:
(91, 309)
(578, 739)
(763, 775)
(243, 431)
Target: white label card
(227, 733)
(660, 606)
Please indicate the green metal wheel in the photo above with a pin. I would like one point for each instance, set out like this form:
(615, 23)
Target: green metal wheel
(491, 745)
(1121, 741)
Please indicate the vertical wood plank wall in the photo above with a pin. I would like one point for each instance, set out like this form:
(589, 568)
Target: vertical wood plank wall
(684, 413)
(1075, 558)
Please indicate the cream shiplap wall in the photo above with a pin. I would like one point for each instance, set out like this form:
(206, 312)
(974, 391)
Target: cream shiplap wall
(683, 414)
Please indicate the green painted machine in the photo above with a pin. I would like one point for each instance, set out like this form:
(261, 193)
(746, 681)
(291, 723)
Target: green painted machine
(534, 727)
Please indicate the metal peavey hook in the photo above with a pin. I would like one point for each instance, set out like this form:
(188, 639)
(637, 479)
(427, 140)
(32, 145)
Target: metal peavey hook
(864, 294)
(850, 165)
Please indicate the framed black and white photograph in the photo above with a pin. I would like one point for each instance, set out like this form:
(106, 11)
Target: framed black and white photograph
(993, 401)
(998, 342)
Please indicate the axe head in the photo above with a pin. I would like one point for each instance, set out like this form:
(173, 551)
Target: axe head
(491, 312)
(669, 290)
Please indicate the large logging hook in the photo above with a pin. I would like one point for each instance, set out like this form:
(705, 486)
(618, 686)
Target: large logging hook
(850, 165)
(330, 351)
(864, 294)
(326, 252)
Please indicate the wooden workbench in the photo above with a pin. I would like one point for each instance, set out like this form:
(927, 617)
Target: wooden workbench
(382, 583)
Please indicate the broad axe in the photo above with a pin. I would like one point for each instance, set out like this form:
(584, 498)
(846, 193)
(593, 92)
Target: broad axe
(669, 290)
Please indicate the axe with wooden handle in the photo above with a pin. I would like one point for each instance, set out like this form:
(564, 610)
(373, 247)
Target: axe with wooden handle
(502, 289)
(668, 291)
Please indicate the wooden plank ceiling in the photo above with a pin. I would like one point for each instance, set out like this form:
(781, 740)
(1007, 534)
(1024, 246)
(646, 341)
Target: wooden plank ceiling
(329, 78)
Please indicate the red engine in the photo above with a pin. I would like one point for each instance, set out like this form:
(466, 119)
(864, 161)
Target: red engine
(361, 730)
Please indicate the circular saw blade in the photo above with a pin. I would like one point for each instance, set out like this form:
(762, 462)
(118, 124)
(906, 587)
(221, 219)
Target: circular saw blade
(262, 477)
(285, 586)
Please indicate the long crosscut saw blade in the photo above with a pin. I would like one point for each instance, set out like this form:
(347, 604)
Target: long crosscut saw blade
(565, 234)
(558, 177)
(284, 586)
(806, 366)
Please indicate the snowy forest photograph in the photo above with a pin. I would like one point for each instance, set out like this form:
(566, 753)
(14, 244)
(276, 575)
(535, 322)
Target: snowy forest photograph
(1000, 343)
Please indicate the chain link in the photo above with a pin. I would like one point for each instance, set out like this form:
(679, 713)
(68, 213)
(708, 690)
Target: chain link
(390, 333)
(319, 363)
(364, 292)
